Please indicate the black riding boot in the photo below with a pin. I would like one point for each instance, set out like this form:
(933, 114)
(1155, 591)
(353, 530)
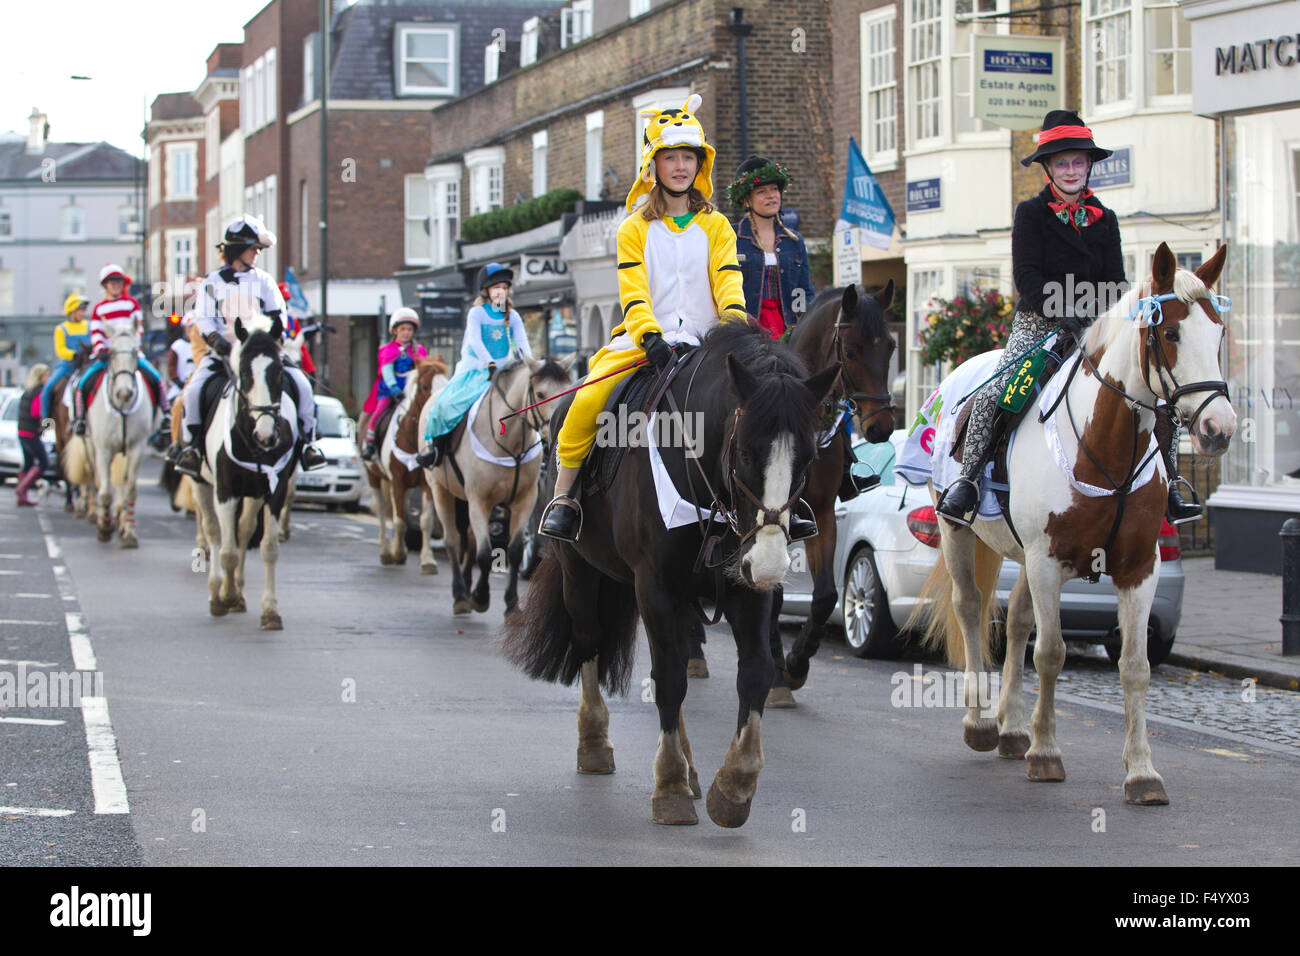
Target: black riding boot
(190, 460)
(852, 485)
(1177, 510)
(562, 519)
(433, 455)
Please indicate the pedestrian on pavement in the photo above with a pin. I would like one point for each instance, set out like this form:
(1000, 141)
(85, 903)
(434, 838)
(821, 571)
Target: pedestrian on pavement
(493, 329)
(35, 461)
(396, 359)
(773, 258)
(70, 337)
(677, 279)
(1063, 238)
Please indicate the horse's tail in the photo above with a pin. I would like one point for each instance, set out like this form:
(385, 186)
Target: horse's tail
(117, 470)
(75, 461)
(936, 617)
(540, 640)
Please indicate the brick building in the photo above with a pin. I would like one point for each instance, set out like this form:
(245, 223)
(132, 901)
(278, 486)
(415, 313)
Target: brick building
(220, 198)
(390, 65)
(177, 232)
(569, 119)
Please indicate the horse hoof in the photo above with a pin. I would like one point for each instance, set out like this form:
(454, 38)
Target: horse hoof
(385, 559)
(238, 605)
(217, 609)
(479, 606)
(400, 559)
(284, 536)
(795, 676)
(981, 738)
(1044, 769)
(271, 621)
(68, 508)
(1145, 792)
(428, 569)
(1013, 745)
(723, 811)
(675, 810)
(104, 535)
(131, 542)
(694, 780)
(697, 667)
(595, 760)
(460, 607)
(780, 698)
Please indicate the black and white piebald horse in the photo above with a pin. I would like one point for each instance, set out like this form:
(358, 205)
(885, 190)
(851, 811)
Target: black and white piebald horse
(251, 451)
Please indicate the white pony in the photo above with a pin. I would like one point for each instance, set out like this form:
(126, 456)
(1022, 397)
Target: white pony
(1161, 342)
(119, 420)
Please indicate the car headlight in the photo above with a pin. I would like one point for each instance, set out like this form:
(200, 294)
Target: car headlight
(9, 444)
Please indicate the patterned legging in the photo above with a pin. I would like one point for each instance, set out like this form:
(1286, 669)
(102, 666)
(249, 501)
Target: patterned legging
(1026, 329)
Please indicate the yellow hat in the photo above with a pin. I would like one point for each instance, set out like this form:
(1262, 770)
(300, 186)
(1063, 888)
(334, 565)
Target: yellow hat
(671, 129)
(74, 302)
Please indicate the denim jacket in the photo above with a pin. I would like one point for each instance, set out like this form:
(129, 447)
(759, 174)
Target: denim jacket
(792, 263)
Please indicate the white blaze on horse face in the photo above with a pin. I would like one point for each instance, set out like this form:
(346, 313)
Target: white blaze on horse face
(768, 559)
(260, 394)
(1198, 361)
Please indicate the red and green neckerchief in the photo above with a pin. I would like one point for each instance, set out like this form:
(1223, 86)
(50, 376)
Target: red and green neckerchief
(1075, 214)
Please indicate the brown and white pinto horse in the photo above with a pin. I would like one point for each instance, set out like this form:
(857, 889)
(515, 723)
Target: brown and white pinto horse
(393, 473)
(1160, 342)
(851, 330)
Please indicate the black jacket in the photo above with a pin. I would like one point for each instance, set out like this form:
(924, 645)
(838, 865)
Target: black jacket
(1045, 250)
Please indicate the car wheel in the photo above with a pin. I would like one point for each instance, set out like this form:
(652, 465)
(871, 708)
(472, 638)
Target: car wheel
(869, 631)
(1158, 648)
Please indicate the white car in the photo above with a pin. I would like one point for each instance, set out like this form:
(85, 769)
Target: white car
(887, 541)
(341, 481)
(11, 453)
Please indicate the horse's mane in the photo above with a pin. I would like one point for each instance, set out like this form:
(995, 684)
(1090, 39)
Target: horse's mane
(777, 366)
(1103, 333)
(430, 363)
(552, 369)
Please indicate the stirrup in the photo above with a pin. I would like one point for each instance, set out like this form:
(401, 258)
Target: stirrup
(1194, 503)
(189, 462)
(949, 515)
(549, 510)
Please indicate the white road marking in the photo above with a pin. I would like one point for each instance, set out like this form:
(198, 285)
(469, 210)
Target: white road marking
(34, 812)
(13, 572)
(35, 721)
(51, 546)
(105, 771)
(6, 620)
(30, 663)
(13, 557)
(83, 655)
(32, 594)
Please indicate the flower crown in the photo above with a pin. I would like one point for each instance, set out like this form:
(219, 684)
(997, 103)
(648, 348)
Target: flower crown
(746, 183)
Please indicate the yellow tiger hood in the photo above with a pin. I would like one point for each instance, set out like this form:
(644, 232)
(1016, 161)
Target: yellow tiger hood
(669, 129)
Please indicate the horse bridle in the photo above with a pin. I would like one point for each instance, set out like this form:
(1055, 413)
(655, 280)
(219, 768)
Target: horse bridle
(847, 389)
(255, 412)
(112, 382)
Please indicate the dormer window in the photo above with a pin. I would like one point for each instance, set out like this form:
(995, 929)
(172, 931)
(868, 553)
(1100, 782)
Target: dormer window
(528, 41)
(575, 23)
(426, 60)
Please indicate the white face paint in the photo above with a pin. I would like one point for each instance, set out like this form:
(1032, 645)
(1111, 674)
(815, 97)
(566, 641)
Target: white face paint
(259, 394)
(768, 560)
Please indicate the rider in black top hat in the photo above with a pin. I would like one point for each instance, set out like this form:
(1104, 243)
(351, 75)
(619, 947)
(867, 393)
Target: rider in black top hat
(1064, 242)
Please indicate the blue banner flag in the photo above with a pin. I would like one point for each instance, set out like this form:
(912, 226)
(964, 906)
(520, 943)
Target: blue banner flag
(865, 205)
(297, 301)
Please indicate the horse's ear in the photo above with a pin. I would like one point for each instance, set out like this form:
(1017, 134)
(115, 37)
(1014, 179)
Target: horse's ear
(821, 384)
(566, 363)
(886, 295)
(534, 365)
(241, 333)
(1209, 271)
(1163, 267)
(849, 303)
(743, 382)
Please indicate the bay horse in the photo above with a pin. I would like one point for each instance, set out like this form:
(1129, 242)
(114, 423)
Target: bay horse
(496, 497)
(251, 450)
(850, 329)
(1160, 342)
(393, 472)
(119, 421)
(758, 407)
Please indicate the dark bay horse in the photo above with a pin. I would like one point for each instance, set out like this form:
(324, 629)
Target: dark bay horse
(758, 415)
(850, 330)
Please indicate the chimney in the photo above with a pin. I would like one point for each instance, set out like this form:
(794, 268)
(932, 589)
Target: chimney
(37, 132)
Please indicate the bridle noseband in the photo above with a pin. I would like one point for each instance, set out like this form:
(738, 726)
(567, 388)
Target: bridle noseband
(1149, 310)
(765, 517)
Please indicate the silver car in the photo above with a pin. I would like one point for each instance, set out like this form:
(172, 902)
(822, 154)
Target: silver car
(341, 481)
(887, 542)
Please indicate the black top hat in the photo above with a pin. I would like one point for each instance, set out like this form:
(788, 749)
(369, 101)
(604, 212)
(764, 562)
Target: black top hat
(1063, 130)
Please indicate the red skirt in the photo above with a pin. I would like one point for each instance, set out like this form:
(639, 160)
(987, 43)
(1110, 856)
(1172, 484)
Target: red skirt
(770, 318)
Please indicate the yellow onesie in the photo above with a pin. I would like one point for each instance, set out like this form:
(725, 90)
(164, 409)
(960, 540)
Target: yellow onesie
(676, 280)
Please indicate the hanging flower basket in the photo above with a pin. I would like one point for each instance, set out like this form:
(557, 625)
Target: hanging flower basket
(965, 326)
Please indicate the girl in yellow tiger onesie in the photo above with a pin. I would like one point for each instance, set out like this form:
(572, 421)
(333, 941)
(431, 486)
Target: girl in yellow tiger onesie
(677, 278)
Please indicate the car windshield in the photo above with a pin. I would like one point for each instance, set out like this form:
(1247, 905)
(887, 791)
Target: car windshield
(10, 413)
(330, 422)
(875, 459)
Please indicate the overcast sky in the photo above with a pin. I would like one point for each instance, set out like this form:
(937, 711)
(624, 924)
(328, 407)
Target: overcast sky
(132, 50)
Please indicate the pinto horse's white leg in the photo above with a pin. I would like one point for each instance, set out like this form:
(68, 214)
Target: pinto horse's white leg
(1013, 738)
(1142, 785)
(270, 554)
(229, 554)
(397, 505)
(961, 553)
(210, 528)
(383, 511)
(595, 752)
(428, 563)
(1043, 759)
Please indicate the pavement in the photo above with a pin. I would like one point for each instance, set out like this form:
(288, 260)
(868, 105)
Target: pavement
(1230, 625)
